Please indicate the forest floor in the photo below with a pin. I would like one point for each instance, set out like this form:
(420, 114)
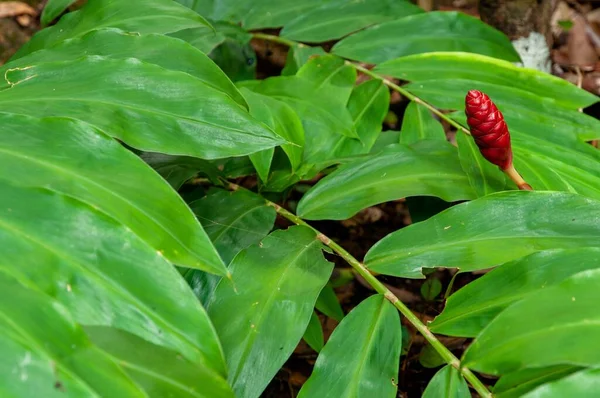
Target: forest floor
(575, 58)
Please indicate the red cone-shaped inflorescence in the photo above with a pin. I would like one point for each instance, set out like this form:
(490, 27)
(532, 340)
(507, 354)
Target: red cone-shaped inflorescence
(488, 129)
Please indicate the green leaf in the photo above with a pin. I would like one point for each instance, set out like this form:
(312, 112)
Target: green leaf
(334, 79)
(101, 272)
(135, 16)
(102, 91)
(236, 58)
(517, 384)
(368, 106)
(58, 357)
(579, 384)
(487, 232)
(328, 304)
(234, 220)
(71, 158)
(482, 69)
(484, 177)
(263, 14)
(419, 124)
(164, 51)
(424, 33)
(425, 168)
(474, 306)
(361, 358)
(431, 288)
(338, 18)
(554, 326)
(53, 9)
(262, 313)
(314, 333)
(430, 358)
(179, 169)
(447, 383)
(206, 40)
(282, 119)
(159, 371)
(297, 56)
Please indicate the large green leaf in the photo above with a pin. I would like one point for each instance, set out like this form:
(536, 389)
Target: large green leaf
(100, 271)
(164, 51)
(557, 325)
(489, 231)
(72, 158)
(447, 383)
(425, 168)
(179, 169)
(361, 358)
(517, 384)
(424, 33)
(418, 124)
(45, 353)
(148, 107)
(585, 383)
(262, 313)
(482, 69)
(159, 371)
(53, 9)
(337, 18)
(135, 16)
(470, 309)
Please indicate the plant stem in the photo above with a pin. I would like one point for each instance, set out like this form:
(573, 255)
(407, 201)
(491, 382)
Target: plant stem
(516, 177)
(276, 39)
(379, 287)
(390, 84)
(409, 95)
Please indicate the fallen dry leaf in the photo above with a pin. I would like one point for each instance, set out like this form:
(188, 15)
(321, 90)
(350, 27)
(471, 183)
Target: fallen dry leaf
(581, 50)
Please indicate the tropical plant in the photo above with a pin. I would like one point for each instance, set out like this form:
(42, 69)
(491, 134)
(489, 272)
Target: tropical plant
(134, 264)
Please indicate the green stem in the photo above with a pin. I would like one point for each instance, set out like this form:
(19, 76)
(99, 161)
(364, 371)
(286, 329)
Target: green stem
(390, 84)
(379, 287)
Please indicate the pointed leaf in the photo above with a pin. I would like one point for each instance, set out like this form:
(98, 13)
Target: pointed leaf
(190, 118)
(419, 124)
(336, 19)
(262, 313)
(135, 16)
(53, 9)
(426, 168)
(517, 384)
(447, 383)
(533, 332)
(164, 51)
(314, 333)
(72, 158)
(101, 272)
(489, 231)
(579, 384)
(328, 303)
(361, 358)
(474, 306)
(423, 33)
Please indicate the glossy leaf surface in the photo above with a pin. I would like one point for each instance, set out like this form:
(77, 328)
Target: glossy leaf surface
(135, 16)
(53, 9)
(426, 168)
(424, 33)
(532, 332)
(101, 272)
(489, 231)
(338, 18)
(517, 384)
(72, 158)
(272, 294)
(361, 357)
(188, 118)
(473, 307)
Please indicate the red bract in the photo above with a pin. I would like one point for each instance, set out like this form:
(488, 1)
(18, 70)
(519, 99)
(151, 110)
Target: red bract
(488, 129)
